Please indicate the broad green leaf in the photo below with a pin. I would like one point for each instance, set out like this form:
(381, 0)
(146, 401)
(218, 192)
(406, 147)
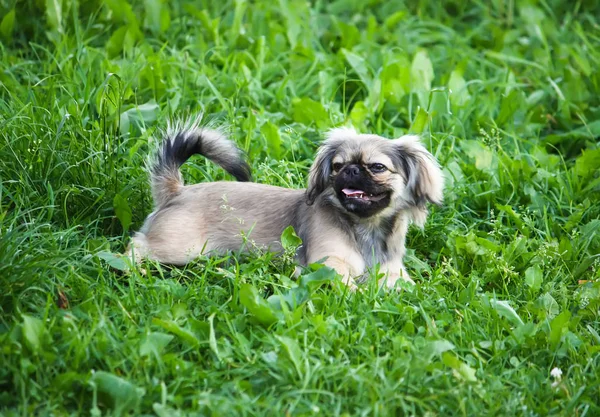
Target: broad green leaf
(548, 304)
(461, 369)
(114, 260)
(589, 131)
(132, 37)
(154, 343)
(559, 326)
(359, 113)
(525, 331)
(139, 116)
(534, 278)
(114, 45)
(124, 38)
(394, 19)
(588, 164)
(474, 248)
(514, 101)
(459, 95)
(296, 297)
(162, 410)
(504, 309)
(591, 230)
(536, 97)
(293, 351)
(476, 245)
(349, 33)
(33, 330)
(124, 395)
(582, 62)
(395, 80)
(516, 218)
(8, 24)
(437, 347)
(289, 239)
(484, 158)
(308, 111)
(594, 334)
(359, 66)
(122, 211)
(488, 244)
(211, 26)
(238, 18)
(293, 298)
(453, 173)
(420, 123)
(421, 71)
(54, 14)
(256, 305)
(183, 334)
(271, 133)
(296, 14)
(320, 276)
(212, 339)
(157, 16)
(108, 97)
(121, 11)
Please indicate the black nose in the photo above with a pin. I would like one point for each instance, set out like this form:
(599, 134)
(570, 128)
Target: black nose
(352, 170)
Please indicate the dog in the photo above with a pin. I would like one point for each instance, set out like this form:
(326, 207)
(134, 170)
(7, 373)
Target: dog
(363, 192)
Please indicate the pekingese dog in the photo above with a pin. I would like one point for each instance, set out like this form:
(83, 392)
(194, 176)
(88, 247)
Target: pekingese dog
(363, 192)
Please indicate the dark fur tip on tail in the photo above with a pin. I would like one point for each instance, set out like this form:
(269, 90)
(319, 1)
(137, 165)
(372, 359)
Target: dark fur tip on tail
(179, 144)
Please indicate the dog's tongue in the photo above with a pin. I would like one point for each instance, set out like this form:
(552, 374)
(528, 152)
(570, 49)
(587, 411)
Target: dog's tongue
(350, 192)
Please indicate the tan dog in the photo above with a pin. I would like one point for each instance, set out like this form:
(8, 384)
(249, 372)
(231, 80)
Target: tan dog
(363, 191)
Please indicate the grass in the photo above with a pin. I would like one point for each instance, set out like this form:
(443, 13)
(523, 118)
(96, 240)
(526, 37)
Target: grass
(505, 94)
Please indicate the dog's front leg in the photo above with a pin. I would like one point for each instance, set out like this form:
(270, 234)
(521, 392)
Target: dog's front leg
(347, 267)
(394, 271)
(347, 270)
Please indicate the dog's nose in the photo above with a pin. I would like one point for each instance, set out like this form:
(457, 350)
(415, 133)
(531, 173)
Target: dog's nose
(353, 170)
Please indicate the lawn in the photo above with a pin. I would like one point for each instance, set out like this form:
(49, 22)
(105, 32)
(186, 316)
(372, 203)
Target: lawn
(505, 317)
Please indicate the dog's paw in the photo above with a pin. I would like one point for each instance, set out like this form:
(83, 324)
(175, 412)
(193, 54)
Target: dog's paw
(393, 281)
(350, 283)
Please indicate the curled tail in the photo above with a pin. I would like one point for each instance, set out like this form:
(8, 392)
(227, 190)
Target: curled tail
(179, 144)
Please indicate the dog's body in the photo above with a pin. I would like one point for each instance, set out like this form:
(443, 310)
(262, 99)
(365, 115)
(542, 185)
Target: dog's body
(184, 228)
(363, 192)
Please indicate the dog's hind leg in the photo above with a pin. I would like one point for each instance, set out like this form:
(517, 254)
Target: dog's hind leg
(138, 249)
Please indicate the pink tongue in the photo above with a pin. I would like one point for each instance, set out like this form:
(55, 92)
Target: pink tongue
(350, 192)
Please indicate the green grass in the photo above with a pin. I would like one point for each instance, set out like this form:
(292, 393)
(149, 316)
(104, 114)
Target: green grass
(506, 95)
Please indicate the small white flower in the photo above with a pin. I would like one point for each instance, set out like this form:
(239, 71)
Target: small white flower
(555, 373)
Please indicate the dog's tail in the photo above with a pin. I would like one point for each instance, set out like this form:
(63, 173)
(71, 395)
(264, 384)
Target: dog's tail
(179, 144)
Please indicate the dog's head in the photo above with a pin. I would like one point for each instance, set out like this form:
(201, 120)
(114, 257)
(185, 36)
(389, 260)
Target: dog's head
(366, 174)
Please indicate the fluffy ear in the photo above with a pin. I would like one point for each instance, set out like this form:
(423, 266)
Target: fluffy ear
(424, 179)
(320, 171)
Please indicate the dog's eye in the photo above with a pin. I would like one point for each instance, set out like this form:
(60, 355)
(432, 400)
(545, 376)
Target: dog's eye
(377, 168)
(337, 166)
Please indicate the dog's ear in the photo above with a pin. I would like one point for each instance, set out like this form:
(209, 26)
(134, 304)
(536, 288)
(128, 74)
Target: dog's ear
(424, 179)
(320, 171)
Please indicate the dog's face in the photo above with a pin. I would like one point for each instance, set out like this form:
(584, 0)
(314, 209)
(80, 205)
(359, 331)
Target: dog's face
(366, 174)
(362, 178)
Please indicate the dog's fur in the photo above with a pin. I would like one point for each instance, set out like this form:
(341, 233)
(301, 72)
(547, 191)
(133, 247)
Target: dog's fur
(363, 191)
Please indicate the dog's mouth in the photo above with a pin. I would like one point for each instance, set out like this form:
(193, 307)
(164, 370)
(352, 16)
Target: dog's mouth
(360, 195)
